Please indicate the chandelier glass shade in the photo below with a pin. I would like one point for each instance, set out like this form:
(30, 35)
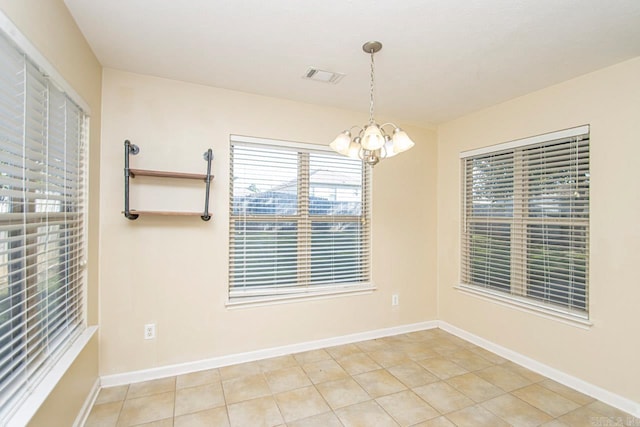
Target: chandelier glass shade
(372, 142)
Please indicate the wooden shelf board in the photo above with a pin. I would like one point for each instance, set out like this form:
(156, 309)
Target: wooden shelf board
(166, 213)
(166, 174)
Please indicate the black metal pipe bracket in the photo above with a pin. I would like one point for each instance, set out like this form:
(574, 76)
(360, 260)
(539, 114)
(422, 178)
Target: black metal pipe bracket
(129, 149)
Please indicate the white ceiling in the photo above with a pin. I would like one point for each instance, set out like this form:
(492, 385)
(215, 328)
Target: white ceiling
(441, 58)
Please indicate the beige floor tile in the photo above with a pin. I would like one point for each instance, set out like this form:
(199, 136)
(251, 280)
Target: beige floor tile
(328, 419)
(239, 370)
(104, 415)
(358, 363)
(311, 356)
(546, 400)
(407, 408)
(395, 340)
(618, 416)
(301, 403)
(502, 377)
(418, 350)
(287, 379)
(197, 378)
(261, 412)
(277, 363)
(474, 416)
(365, 414)
(216, 417)
(436, 422)
(147, 388)
(569, 393)
(372, 345)
(469, 360)
(387, 358)
(442, 368)
(147, 409)
(324, 370)
(341, 351)
(199, 398)
(491, 357)
(443, 397)
(245, 388)
(608, 411)
(379, 383)
(341, 393)
(523, 372)
(167, 422)
(112, 394)
(554, 423)
(444, 346)
(515, 411)
(585, 416)
(475, 387)
(412, 374)
(426, 335)
(415, 337)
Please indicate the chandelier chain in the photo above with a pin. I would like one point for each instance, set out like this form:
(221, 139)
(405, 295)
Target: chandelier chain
(371, 90)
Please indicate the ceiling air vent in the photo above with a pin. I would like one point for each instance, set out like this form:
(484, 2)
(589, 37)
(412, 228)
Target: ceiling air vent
(322, 75)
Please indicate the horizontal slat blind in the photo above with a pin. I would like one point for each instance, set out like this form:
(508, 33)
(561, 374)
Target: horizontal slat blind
(299, 221)
(42, 136)
(526, 223)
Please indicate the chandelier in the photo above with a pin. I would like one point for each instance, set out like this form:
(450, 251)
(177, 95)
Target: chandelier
(371, 143)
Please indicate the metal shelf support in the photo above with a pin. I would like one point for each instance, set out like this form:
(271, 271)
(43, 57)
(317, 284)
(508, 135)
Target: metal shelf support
(208, 156)
(129, 149)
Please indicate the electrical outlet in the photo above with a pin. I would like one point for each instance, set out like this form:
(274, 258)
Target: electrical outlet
(394, 299)
(149, 331)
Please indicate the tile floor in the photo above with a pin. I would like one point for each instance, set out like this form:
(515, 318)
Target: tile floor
(426, 378)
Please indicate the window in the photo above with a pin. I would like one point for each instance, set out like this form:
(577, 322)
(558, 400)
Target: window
(299, 221)
(525, 225)
(42, 137)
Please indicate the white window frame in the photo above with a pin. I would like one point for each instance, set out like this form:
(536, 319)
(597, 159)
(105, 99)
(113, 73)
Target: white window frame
(22, 402)
(303, 290)
(517, 296)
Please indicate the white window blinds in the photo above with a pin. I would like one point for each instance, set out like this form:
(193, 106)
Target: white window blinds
(525, 231)
(299, 220)
(42, 154)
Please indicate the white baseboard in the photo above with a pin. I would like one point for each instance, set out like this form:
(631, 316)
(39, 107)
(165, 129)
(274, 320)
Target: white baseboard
(585, 387)
(81, 419)
(217, 362)
(582, 386)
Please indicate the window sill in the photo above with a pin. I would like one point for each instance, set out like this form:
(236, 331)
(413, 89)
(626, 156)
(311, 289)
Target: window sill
(526, 306)
(299, 297)
(28, 408)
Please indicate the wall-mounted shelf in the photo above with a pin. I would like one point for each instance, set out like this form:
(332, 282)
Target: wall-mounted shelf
(166, 174)
(132, 214)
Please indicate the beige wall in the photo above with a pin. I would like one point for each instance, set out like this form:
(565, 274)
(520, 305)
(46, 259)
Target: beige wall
(49, 26)
(607, 354)
(173, 271)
